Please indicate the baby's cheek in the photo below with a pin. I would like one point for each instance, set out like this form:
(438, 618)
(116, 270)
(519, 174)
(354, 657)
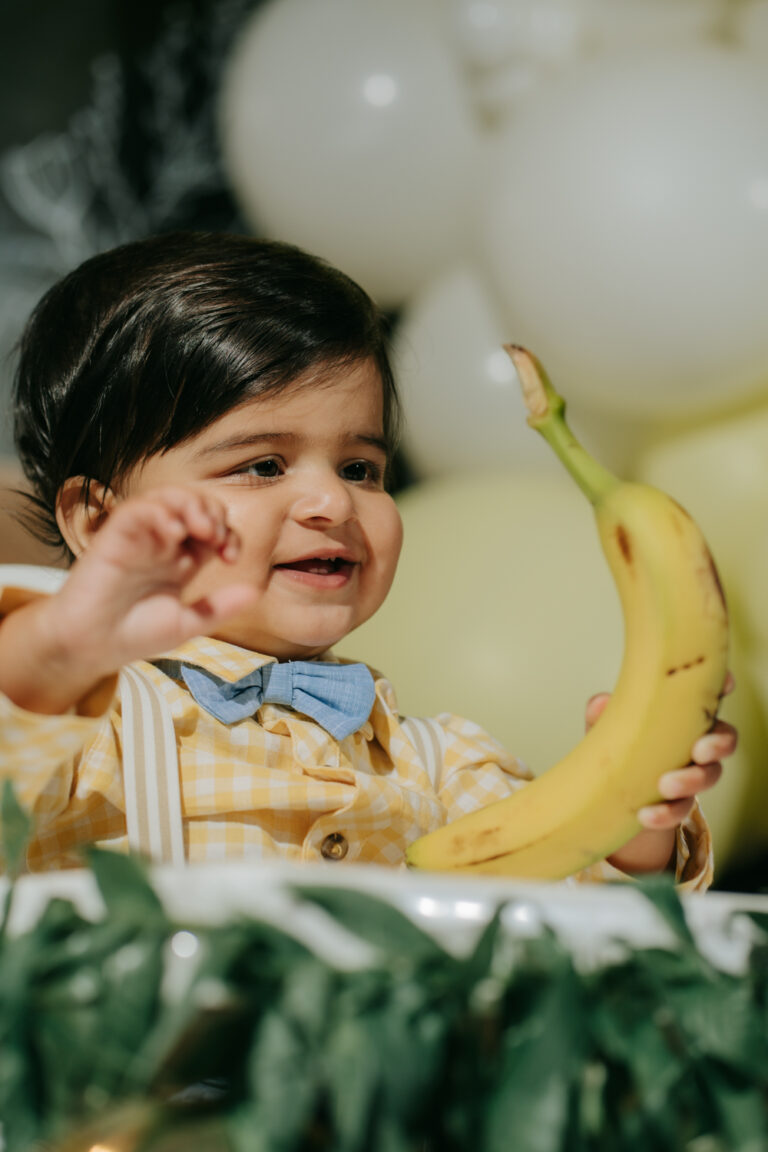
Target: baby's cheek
(395, 532)
(392, 547)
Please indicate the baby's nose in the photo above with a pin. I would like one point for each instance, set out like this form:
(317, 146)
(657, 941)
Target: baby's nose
(326, 498)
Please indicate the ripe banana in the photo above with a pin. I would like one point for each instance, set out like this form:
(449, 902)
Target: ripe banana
(667, 695)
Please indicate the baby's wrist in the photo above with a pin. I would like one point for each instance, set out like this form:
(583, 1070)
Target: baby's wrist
(650, 851)
(53, 669)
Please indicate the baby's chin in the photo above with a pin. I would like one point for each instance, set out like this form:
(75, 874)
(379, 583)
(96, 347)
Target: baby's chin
(281, 647)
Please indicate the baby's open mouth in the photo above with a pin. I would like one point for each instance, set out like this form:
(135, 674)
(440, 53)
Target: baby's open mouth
(319, 566)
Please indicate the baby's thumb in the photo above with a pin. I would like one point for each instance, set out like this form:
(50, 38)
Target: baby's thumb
(595, 708)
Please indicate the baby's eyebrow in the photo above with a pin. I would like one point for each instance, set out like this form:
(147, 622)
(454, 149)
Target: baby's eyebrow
(251, 440)
(372, 441)
(254, 439)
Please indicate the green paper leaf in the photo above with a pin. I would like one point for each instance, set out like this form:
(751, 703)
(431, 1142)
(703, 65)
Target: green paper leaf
(661, 892)
(15, 831)
(478, 963)
(125, 885)
(375, 921)
(383, 1056)
(539, 1062)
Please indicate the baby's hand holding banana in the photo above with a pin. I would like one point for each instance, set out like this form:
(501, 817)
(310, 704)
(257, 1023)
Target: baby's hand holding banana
(672, 678)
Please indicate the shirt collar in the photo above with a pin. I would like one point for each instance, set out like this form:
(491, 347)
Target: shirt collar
(228, 661)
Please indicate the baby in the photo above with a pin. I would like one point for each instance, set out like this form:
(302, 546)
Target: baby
(207, 424)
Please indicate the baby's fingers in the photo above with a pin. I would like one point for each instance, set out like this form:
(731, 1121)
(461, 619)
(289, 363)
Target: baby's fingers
(679, 790)
(684, 783)
(715, 745)
(196, 520)
(210, 611)
(658, 817)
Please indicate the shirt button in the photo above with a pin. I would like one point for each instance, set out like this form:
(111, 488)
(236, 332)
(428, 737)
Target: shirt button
(334, 847)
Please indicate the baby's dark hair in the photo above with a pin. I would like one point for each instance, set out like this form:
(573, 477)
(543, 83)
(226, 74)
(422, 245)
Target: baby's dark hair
(146, 345)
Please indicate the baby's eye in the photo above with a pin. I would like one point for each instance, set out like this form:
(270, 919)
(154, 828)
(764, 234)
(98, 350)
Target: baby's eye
(266, 469)
(362, 472)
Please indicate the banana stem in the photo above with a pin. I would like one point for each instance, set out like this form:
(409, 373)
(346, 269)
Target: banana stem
(546, 413)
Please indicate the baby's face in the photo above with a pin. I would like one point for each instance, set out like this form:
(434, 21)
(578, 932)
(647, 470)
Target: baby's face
(301, 475)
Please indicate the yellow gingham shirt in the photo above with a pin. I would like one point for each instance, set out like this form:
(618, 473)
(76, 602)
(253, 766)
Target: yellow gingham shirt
(273, 785)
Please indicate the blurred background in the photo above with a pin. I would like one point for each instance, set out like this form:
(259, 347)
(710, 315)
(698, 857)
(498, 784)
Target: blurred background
(584, 177)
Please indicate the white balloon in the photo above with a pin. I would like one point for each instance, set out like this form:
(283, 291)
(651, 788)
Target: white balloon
(461, 395)
(625, 228)
(509, 47)
(497, 92)
(463, 406)
(345, 128)
(489, 32)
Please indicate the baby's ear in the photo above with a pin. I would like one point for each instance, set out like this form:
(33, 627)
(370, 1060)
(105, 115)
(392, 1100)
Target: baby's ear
(82, 506)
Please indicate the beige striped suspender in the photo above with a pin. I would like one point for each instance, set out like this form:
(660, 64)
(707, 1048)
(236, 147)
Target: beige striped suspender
(150, 771)
(426, 736)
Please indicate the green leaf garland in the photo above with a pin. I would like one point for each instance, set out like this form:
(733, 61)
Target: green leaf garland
(270, 1047)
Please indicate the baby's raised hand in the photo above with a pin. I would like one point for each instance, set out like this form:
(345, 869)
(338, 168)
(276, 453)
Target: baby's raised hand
(123, 600)
(124, 596)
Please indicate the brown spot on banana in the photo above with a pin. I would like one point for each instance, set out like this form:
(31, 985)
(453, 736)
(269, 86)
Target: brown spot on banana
(623, 541)
(685, 667)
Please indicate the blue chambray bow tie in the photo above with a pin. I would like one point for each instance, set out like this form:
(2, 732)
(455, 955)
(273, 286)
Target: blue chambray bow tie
(338, 696)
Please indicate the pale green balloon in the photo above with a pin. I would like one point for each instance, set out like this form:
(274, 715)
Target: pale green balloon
(654, 23)
(750, 27)
(737, 807)
(751, 581)
(719, 473)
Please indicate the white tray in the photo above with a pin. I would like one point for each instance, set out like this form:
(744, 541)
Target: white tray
(594, 921)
